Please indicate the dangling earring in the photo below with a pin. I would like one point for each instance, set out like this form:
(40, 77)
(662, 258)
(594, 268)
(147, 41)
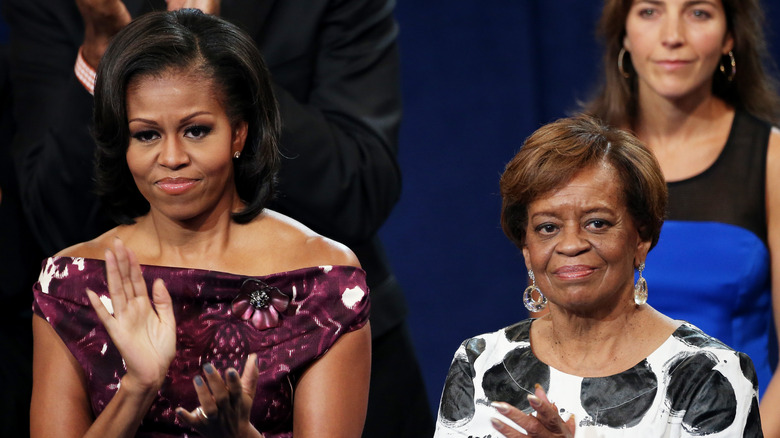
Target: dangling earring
(528, 296)
(620, 63)
(733, 69)
(640, 288)
(236, 154)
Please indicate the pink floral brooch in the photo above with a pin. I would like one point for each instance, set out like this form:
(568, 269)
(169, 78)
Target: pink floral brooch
(260, 304)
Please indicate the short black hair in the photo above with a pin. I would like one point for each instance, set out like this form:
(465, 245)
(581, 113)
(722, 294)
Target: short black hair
(186, 39)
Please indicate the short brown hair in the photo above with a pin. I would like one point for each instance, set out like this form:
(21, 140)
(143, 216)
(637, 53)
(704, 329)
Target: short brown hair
(556, 152)
(751, 89)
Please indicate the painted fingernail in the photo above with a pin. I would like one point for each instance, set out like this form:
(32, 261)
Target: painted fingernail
(500, 407)
(233, 373)
(497, 424)
(535, 401)
(198, 381)
(537, 386)
(208, 368)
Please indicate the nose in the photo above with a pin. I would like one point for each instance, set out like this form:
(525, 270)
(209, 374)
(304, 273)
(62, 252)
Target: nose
(572, 242)
(673, 32)
(172, 153)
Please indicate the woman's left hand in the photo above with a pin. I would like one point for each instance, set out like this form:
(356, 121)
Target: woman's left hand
(225, 405)
(546, 423)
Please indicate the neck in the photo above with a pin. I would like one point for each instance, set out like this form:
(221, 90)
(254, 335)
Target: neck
(196, 242)
(594, 345)
(662, 122)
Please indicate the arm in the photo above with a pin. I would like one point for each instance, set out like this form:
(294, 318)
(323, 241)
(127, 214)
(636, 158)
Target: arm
(145, 337)
(342, 177)
(332, 394)
(59, 387)
(60, 397)
(770, 403)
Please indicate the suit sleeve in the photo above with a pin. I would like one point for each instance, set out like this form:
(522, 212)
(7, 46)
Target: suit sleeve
(340, 173)
(52, 148)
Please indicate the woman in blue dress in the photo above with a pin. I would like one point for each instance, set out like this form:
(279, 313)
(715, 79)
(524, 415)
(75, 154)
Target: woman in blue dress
(687, 79)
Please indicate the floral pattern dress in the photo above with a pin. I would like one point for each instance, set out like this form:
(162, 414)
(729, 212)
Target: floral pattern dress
(289, 319)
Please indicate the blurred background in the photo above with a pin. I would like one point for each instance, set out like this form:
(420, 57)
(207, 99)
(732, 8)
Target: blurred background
(478, 78)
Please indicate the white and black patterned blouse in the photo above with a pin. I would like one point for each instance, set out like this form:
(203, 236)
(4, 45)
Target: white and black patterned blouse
(692, 385)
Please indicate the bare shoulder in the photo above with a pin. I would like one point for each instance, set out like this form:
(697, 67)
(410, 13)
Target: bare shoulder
(773, 169)
(773, 189)
(332, 252)
(95, 248)
(298, 245)
(774, 144)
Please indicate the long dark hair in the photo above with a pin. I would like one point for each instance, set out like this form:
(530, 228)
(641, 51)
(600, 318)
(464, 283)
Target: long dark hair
(751, 89)
(215, 48)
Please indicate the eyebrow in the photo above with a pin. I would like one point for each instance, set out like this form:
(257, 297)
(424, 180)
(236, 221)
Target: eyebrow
(588, 211)
(686, 4)
(182, 121)
(698, 2)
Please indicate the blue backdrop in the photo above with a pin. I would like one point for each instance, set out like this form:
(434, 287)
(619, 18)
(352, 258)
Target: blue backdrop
(478, 78)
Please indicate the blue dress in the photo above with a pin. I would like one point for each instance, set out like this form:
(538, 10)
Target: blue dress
(711, 265)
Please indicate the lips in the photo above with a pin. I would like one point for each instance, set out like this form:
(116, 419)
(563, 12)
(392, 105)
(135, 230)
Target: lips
(573, 271)
(176, 186)
(672, 64)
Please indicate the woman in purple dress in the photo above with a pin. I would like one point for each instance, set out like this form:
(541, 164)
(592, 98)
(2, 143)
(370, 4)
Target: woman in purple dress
(203, 312)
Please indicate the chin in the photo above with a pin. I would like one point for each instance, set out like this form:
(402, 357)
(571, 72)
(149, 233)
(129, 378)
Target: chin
(179, 214)
(678, 91)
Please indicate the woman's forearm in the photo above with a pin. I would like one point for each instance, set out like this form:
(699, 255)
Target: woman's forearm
(770, 403)
(124, 413)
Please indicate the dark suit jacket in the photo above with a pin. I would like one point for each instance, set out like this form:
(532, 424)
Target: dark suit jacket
(335, 67)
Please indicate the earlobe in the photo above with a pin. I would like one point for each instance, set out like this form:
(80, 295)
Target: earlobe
(527, 257)
(643, 247)
(239, 136)
(728, 44)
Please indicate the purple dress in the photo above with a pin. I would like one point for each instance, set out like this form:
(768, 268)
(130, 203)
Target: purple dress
(289, 319)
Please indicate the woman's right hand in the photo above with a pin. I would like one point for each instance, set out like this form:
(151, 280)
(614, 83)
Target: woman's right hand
(546, 423)
(144, 335)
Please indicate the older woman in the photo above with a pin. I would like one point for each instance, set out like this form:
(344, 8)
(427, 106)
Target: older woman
(688, 79)
(247, 307)
(585, 204)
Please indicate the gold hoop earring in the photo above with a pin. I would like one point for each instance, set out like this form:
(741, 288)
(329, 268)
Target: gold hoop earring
(620, 63)
(533, 305)
(732, 63)
(640, 288)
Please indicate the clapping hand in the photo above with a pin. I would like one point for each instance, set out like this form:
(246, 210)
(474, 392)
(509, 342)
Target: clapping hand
(105, 18)
(225, 405)
(546, 423)
(102, 20)
(144, 335)
(207, 6)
